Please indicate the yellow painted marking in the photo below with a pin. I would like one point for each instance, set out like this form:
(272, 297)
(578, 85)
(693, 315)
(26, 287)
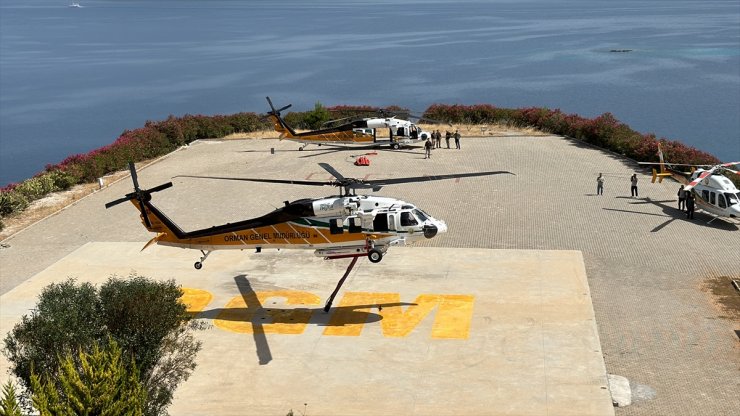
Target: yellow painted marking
(256, 315)
(452, 321)
(196, 299)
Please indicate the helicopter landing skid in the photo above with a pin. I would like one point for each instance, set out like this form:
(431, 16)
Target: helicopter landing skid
(340, 283)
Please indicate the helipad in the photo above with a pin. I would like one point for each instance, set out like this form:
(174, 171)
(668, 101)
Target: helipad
(428, 331)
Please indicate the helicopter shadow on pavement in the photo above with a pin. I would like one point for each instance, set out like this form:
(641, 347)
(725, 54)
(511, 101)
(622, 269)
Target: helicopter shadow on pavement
(674, 214)
(259, 315)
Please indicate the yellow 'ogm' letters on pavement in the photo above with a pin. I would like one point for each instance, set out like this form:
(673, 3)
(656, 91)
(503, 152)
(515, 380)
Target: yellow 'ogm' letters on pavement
(253, 312)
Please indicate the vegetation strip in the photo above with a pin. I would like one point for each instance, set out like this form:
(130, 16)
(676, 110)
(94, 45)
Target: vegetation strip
(158, 138)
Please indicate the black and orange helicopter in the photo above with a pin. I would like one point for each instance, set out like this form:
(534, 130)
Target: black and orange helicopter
(351, 131)
(342, 226)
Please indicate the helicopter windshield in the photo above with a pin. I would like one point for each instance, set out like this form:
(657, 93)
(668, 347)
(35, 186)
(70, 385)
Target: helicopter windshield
(732, 199)
(421, 215)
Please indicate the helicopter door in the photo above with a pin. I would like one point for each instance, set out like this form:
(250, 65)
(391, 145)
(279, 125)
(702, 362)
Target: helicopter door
(711, 198)
(721, 201)
(380, 223)
(391, 222)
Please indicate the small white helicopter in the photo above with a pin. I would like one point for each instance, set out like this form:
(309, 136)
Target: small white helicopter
(714, 194)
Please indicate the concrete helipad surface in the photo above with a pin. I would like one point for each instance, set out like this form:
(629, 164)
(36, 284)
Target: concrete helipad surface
(429, 331)
(647, 266)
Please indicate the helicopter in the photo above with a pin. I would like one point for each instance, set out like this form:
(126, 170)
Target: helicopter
(335, 227)
(714, 194)
(352, 132)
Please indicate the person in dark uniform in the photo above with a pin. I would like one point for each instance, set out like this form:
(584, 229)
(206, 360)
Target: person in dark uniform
(428, 149)
(633, 188)
(448, 135)
(681, 198)
(690, 205)
(457, 139)
(438, 139)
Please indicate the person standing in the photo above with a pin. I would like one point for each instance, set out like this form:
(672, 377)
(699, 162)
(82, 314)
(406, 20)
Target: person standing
(457, 139)
(428, 149)
(681, 198)
(438, 139)
(448, 135)
(600, 185)
(633, 188)
(690, 205)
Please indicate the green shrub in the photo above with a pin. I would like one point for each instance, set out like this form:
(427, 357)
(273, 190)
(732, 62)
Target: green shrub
(11, 202)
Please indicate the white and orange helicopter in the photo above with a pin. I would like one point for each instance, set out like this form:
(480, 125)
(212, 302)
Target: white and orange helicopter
(355, 132)
(343, 226)
(715, 194)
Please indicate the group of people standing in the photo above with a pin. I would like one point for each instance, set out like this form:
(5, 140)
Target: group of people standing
(435, 142)
(600, 185)
(686, 202)
(685, 198)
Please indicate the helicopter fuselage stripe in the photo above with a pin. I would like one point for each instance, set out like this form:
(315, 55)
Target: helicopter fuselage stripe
(277, 232)
(296, 231)
(260, 236)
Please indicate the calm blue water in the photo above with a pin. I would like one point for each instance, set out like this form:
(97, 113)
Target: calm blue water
(72, 80)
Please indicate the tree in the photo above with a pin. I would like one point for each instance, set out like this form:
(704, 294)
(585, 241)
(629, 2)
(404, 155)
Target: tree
(320, 115)
(96, 383)
(144, 317)
(149, 321)
(9, 403)
(66, 317)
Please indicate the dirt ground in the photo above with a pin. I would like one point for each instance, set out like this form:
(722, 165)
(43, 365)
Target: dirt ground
(726, 296)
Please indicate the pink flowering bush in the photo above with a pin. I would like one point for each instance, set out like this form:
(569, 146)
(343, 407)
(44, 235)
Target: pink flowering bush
(155, 139)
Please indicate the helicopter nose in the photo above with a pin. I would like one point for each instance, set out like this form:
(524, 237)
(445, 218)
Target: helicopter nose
(430, 230)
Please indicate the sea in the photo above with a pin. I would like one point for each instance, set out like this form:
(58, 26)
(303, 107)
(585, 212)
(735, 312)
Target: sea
(72, 79)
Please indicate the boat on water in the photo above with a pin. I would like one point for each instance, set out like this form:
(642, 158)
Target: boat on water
(75, 5)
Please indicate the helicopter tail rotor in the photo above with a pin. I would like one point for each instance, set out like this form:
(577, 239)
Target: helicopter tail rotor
(141, 195)
(272, 107)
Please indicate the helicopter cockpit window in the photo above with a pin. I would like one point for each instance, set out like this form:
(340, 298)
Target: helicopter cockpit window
(420, 215)
(407, 220)
(732, 199)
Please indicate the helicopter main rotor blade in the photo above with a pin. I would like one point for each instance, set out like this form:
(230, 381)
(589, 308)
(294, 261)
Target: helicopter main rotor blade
(699, 178)
(327, 167)
(134, 177)
(383, 182)
(285, 181)
(119, 200)
(160, 187)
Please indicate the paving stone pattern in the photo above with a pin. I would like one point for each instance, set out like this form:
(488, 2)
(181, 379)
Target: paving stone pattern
(646, 264)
